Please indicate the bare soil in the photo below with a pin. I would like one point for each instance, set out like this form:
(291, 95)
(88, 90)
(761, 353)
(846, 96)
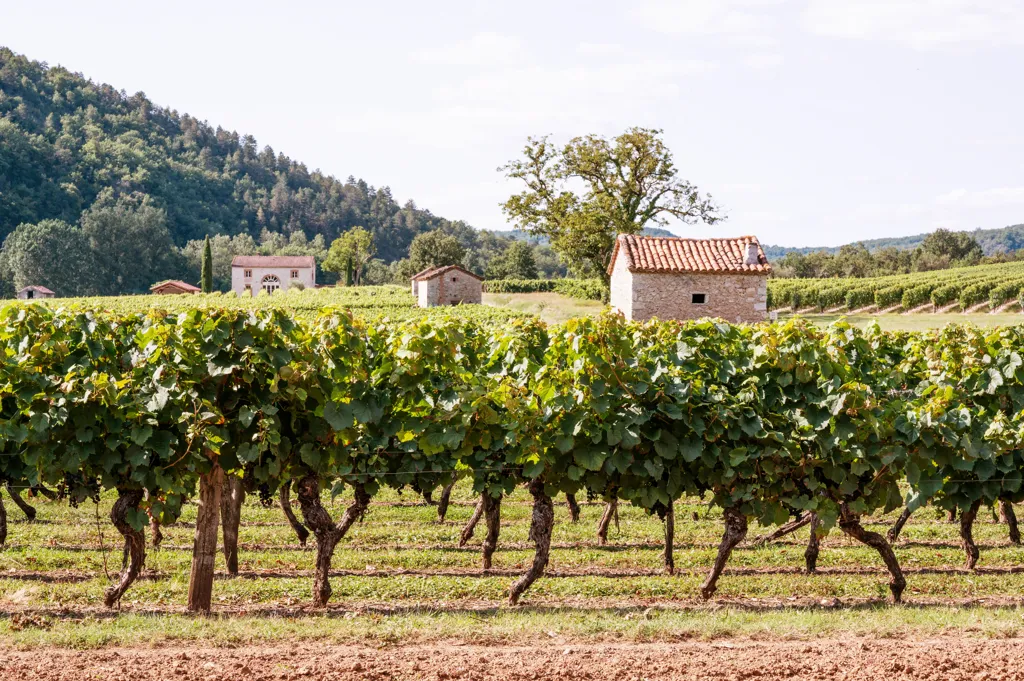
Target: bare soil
(935, 659)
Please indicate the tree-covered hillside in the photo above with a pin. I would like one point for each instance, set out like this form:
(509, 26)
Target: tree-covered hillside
(992, 241)
(65, 139)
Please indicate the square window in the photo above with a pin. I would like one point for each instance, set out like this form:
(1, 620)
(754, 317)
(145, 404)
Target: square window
(295, 274)
(699, 298)
(454, 279)
(247, 274)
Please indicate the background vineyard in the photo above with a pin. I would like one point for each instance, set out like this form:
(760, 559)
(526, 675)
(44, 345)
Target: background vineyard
(987, 287)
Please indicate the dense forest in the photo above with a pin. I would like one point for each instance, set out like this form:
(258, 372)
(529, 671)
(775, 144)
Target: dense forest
(84, 163)
(992, 241)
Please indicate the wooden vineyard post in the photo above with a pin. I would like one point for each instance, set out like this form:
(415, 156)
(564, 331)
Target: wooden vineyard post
(204, 549)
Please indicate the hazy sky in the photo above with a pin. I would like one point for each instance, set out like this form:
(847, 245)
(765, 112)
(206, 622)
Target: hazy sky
(813, 122)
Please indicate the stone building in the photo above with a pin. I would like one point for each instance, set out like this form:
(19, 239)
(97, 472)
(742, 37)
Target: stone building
(448, 285)
(271, 273)
(674, 278)
(35, 292)
(174, 287)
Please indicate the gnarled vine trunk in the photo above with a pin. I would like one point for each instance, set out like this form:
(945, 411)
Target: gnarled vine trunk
(156, 536)
(574, 508)
(813, 545)
(492, 516)
(26, 508)
(849, 523)
(894, 532)
(540, 534)
(44, 491)
(735, 531)
(231, 516)
(327, 533)
(445, 501)
(134, 544)
(284, 496)
(467, 531)
(204, 546)
(782, 530)
(951, 516)
(1008, 516)
(611, 512)
(670, 537)
(3, 521)
(967, 535)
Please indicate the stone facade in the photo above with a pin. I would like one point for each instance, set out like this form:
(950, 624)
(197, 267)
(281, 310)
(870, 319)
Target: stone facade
(682, 294)
(450, 285)
(35, 293)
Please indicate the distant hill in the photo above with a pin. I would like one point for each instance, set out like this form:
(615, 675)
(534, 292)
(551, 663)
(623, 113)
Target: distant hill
(1003, 240)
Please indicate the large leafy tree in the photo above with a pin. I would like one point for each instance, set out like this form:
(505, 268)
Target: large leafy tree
(350, 253)
(49, 253)
(516, 262)
(627, 183)
(435, 249)
(130, 243)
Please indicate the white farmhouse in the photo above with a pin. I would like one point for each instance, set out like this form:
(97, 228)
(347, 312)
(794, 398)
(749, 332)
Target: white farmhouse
(253, 273)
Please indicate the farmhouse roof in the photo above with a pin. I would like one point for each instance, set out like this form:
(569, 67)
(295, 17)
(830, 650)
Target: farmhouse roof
(177, 283)
(432, 272)
(660, 254)
(273, 261)
(37, 289)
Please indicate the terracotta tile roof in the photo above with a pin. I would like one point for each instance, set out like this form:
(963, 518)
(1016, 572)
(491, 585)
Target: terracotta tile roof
(176, 283)
(273, 261)
(37, 289)
(432, 272)
(674, 254)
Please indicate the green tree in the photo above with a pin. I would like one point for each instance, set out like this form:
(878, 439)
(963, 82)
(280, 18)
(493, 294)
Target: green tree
(224, 249)
(350, 254)
(627, 183)
(517, 262)
(49, 253)
(131, 245)
(435, 249)
(206, 281)
(956, 246)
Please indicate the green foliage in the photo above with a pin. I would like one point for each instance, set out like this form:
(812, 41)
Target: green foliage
(584, 289)
(50, 253)
(435, 249)
(206, 280)
(517, 262)
(350, 254)
(628, 183)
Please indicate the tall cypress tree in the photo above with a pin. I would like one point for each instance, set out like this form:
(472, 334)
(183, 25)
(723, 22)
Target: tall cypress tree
(206, 282)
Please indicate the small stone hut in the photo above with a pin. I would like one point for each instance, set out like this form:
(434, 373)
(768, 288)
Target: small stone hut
(448, 285)
(675, 278)
(35, 292)
(174, 287)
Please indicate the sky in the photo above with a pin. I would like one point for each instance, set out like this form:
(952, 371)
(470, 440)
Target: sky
(811, 122)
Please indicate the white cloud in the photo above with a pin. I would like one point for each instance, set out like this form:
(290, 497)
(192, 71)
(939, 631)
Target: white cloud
(922, 24)
(983, 198)
(763, 61)
(483, 49)
(747, 22)
(600, 49)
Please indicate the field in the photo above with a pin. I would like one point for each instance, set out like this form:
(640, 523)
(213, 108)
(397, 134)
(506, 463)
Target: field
(965, 289)
(402, 582)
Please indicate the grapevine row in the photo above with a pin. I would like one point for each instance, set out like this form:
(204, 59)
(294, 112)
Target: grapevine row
(768, 421)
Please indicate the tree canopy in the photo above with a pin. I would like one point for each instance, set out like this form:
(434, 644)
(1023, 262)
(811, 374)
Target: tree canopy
(628, 183)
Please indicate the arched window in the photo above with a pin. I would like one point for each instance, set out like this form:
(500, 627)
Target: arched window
(270, 283)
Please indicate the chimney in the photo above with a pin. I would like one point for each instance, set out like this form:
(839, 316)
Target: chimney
(751, 256)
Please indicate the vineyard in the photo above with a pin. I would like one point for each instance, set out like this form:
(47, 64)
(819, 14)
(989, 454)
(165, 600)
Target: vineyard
(183, 413)
(978, 288)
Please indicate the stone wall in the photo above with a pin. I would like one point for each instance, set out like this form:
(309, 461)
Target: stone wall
(732, 297)
(451, 288)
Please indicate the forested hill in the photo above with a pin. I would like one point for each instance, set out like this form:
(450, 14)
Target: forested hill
(992, 241)
(66, 141)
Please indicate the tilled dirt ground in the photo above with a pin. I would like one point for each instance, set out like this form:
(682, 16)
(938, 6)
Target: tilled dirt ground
(938, 659)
